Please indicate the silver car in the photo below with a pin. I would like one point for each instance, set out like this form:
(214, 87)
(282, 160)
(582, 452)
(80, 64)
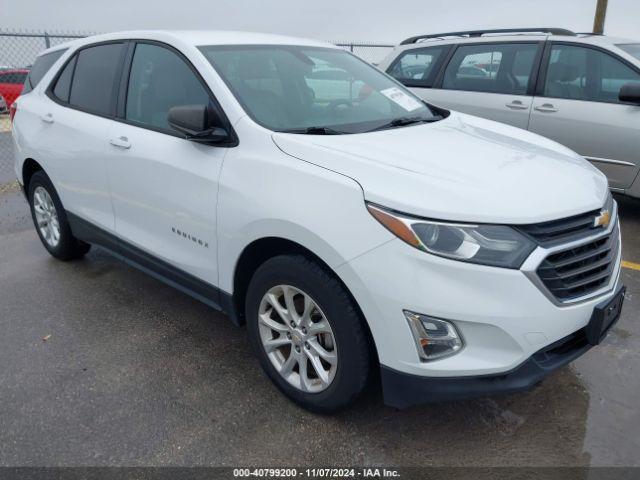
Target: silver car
(582, 90)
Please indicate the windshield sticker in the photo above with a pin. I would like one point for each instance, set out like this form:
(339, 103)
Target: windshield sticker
(401, 98)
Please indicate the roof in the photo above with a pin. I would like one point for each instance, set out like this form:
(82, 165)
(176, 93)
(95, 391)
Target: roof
(489, 36)
(197, 38)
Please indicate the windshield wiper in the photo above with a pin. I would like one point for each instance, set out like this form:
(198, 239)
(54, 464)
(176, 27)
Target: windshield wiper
(404, 121)
(314, 131)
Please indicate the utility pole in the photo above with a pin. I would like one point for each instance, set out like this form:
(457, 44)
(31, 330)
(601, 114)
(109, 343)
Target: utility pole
(601, 13)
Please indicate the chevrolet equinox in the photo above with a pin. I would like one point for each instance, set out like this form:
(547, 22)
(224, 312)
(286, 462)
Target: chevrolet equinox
(351, 226)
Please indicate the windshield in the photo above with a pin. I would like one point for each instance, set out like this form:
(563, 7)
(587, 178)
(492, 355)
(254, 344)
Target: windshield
(313, 90)
(632, 48)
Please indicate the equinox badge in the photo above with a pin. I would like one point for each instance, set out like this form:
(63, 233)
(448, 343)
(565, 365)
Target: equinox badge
(188, 236)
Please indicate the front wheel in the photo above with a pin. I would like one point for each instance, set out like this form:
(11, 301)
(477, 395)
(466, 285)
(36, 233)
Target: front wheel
(307, 333)
(50, 220)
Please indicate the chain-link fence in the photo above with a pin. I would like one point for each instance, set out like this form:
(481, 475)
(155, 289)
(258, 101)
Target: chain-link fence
(371, 52)
(18, 50)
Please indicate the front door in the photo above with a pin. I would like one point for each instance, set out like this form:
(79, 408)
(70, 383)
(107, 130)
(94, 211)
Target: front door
(164, 188)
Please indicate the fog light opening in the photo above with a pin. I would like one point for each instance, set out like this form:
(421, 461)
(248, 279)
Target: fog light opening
(435, 338)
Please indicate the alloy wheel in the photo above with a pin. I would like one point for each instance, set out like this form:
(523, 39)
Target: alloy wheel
(297, 338)
(46, 216)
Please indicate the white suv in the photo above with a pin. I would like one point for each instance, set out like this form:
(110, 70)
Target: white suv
(349, 225)
(581, 90)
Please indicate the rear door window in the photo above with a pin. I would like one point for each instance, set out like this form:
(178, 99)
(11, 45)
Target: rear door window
(40, 68)
(493, 68)
(416, 66)
(94, 78)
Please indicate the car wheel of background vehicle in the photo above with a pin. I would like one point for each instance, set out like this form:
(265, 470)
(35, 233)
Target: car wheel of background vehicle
(307, 333)
(50, 220)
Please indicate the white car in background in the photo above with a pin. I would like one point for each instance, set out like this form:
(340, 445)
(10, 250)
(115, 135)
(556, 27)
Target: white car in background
(581, 90)
(351, 229)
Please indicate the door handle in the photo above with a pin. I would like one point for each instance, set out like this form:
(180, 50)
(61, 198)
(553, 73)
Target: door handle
(48, 118)
(120, 142)
(517, 105)
(547, 108)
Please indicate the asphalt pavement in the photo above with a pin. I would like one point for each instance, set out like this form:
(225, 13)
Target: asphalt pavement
(103, 365)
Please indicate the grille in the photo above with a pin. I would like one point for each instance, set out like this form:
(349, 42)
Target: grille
(562, 231)
(579, 271)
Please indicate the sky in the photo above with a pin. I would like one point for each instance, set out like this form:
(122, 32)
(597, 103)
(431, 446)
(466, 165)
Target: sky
(335, 20)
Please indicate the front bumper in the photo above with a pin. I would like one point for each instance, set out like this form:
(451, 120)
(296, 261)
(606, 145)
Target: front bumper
(402, 390)
(507, 321)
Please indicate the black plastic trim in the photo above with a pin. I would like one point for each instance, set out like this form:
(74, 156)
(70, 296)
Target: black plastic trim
(153, 266)
(535, 72)
(403, 390)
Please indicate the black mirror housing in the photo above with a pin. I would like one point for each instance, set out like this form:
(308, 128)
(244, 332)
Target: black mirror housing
(630, 93)
(198, 123)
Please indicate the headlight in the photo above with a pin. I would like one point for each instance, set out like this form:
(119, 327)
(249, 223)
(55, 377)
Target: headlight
(495, 245)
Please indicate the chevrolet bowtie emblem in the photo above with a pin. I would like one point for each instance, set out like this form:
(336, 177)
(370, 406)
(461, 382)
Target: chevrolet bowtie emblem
(602, 220)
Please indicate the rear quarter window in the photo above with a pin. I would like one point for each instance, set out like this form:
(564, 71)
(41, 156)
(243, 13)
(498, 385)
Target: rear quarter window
(40, 68)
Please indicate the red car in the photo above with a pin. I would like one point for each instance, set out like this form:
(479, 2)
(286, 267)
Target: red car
(11, 82)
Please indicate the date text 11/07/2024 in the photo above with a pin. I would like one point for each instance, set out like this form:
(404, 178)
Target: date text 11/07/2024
(316, 472)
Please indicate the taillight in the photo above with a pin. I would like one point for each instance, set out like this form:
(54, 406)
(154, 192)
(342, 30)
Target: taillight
(12, 110)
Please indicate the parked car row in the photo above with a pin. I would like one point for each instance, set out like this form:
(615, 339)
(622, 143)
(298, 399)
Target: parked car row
(11, 84)
(351, 226)
(581, 90)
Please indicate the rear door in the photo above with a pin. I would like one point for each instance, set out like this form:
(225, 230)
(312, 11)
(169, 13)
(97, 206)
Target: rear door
(72, 129)
(490, 80)
(577, 105)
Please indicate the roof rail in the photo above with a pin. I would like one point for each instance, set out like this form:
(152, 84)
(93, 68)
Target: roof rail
(479, 33)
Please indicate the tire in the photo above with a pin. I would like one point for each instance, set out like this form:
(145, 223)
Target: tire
(65, 246)
(345, 338)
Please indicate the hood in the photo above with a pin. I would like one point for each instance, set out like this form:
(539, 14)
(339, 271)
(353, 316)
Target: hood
(462, 168)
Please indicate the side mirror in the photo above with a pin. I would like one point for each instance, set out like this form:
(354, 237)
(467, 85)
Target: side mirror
(197, 123)
(630, 93)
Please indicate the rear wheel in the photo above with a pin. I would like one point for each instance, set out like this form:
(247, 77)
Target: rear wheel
(50, 220)
(307, 333)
